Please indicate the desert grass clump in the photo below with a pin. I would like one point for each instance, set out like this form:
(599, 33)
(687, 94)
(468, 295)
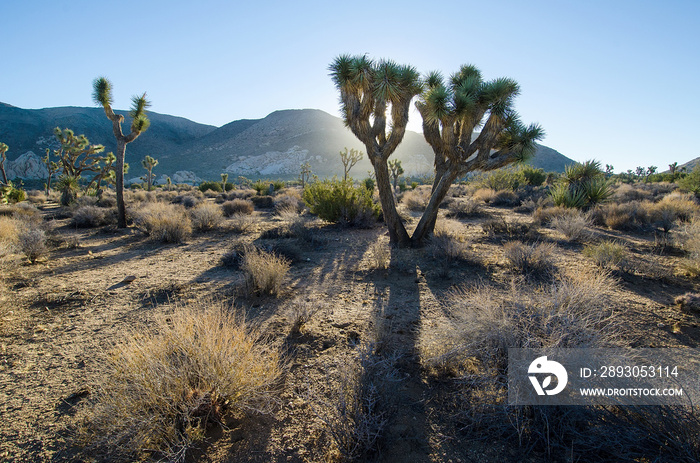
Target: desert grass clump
(32, 242)
(380, 255)
(506, 198)
(531, 260)
(464, 209)
(189, 201)
(448, 241)
(92, 216)
(160, 389)
(206, 216)
(607, 254)
(688, 239)
(241, 223)
(168, 223)
(485, 321)
(484, 194)
(264, 272)
(289, 199)
(574, 227)
(244, 193)
(9, 230)
(237, 206)
(416, 200)
(36, 197)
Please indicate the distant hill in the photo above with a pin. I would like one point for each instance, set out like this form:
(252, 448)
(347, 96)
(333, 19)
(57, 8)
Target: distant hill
(274, 146)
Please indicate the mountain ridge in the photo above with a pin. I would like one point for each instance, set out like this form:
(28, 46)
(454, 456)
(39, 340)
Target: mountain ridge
(273, 146)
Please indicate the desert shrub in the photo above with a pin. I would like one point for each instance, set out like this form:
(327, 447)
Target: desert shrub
(369, 183)
(626, 193)
(531, 205)
(464, 209)
(168, 223)
(689, 302)
(360, 404)
(380, 255)
(36, 197)
(263, 202)
(416, 200)
(533, 176)
(504, 198)
(607, 254)
(208, 185)
(159, 389)
(107, 201)
(502, 228)
(187, 200)
(532, 260)
(32, 242)
(240, 223)
(545, 215)
(484, 194)
(625, 216)
(241, 194)
(691, 182)
(92, 216)
(448, 242)
(341, 202)
(681, 206)
(263, 186)
(688, 239)
(211, 193)
(264, 272)
(581, 186)
(486, 321)
(9, 230)
(500, 179)
(573, 226)
(291, 201)
(237, 206)
(206, 216)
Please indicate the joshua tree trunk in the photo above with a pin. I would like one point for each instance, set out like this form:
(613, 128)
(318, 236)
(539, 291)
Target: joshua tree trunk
(119, 171)
(397, 232)
(426, 226)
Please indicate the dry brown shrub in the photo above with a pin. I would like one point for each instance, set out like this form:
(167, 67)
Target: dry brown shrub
(417, 200)
(607, 254)
(484, 194)
(464, 209)
(168, 223)
(532, 260)
(545, 215)
(688, 239)
(380, 255)
(9, 230)
(573, 226)
(237, 206)
(626, 193)
(448, 241)
(265, 272)
(504, 198)
(206, 216)
(159, 389)
(244, 193)
(241, 223)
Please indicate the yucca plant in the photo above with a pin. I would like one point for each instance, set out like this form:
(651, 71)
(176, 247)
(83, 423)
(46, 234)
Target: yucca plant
(102, 95)
(581, 186)
(68, 186)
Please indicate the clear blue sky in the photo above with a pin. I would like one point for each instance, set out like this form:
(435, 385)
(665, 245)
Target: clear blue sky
(612, 80)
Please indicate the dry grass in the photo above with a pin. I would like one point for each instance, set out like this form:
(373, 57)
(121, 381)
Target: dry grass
(417, 200)
(607, 254)
(160, 389)
(32, 242)
(9, 230)
(464, 209)
(241, 223)
(532, 260)
(484, 194)
(573, 226)
(237, 206)
(206, 216)
(380, 255)
(486, 321)
(448, 241)
(688, 239)
(168, 223)
(265, 272)
(93, 216)
(544, 215)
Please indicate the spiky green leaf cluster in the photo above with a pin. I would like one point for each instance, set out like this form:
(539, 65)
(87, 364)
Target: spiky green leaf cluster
(102, 91)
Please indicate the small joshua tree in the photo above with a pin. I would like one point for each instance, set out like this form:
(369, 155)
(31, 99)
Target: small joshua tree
(149, 163)
(305, 173)
(3, 150)
(51, 167)
(396, 171)
(224, 179)
(349, 159)
(102, 95)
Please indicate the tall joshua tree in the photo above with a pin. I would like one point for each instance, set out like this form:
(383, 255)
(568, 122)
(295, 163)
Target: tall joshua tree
(149, 163)
(102, 95)
(451, 112)
(370, 93)
(396, 171)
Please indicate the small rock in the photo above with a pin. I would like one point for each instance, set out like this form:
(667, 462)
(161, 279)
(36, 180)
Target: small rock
(128, 279)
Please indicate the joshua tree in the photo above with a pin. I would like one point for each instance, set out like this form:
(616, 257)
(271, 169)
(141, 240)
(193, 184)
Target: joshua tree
(305, 173)
(396, 171)
(651, 170)
(76, 155)
(349, 159)
(102, 95)
(149, 163)
(224, 179)
(51, 167)
(3, 150)
(368, 91)
(169, 182)
(451, 112)
(673, 168)
(609, 170)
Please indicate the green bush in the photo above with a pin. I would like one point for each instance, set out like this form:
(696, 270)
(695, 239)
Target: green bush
(214, 186)
(263, 186)
(691, 182)
(339, 201)
(369, 183)
(500, 179)
(10, 194)
(533, 176)
(582, 186)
